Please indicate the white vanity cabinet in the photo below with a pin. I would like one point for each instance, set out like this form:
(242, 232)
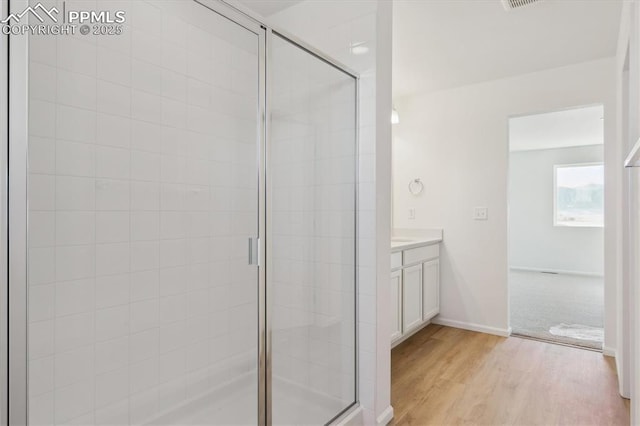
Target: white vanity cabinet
(411, 297)
(430, 289)
(415, 288)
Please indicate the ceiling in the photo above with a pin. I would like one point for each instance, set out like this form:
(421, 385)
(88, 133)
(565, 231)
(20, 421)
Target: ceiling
(439, 44)
(267, 8)
(558, 129)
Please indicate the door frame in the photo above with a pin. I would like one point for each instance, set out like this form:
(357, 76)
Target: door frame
(552, 109)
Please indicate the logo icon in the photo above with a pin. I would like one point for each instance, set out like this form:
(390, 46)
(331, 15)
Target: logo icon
(69, 22)
(33, 10)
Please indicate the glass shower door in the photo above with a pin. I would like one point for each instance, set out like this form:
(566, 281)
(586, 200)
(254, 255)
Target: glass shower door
(143, 192)
(312, 230)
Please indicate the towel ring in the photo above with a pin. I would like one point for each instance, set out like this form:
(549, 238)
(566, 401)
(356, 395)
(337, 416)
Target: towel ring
(416, 186)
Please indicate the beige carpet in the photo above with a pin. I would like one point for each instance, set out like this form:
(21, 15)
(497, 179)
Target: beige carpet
(562, 308)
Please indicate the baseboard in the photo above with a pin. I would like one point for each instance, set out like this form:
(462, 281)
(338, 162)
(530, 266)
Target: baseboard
(556, 271)
(386, 416)
(409, 334)
(504, 332)
(607, 351)
(623, 383)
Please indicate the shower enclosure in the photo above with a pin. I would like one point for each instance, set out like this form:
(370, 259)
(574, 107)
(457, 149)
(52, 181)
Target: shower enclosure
(182, 222)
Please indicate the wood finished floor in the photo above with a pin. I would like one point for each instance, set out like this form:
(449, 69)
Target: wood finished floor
(447, 376)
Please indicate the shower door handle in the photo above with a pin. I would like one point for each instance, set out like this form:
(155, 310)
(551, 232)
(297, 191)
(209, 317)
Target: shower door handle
(254, 251)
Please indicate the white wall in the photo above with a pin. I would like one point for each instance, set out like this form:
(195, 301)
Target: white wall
(457, 142)
(331, 27)
(534, 242)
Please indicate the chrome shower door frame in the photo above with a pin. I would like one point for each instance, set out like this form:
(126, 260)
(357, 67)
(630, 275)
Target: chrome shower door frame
(271, 33)
(14, 303)
(14, 116)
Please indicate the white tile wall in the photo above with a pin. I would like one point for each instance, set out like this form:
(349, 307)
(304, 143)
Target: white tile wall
(140, 295)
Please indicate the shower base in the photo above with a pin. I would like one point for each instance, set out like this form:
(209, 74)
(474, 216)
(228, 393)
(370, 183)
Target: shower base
(235, 403)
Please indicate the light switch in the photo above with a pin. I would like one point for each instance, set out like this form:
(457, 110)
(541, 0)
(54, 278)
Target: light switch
(480, 213)
(412, 214)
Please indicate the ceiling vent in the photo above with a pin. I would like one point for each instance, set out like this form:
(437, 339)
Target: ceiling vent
(516, 4)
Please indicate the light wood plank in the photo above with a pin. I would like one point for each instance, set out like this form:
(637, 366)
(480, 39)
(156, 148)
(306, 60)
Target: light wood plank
(448, 376)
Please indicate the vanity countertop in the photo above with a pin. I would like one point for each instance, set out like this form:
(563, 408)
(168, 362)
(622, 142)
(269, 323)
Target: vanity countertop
(399, 243)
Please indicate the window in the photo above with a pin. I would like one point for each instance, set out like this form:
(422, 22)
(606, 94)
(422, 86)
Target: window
(579, 195)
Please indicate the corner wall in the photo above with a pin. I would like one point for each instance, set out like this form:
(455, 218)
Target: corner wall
(628, 236)
(456, 141)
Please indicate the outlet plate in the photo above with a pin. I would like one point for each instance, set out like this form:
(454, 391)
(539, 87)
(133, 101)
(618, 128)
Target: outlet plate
(480, 213)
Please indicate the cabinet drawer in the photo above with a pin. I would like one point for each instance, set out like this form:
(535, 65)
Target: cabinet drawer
(420, 254)
(396, 260)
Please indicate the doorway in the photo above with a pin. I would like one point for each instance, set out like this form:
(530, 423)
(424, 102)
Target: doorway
(556, 226)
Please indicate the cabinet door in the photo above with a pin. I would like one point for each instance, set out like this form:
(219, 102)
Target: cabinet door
(396, 305)
(431, 289)
(411, 297)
